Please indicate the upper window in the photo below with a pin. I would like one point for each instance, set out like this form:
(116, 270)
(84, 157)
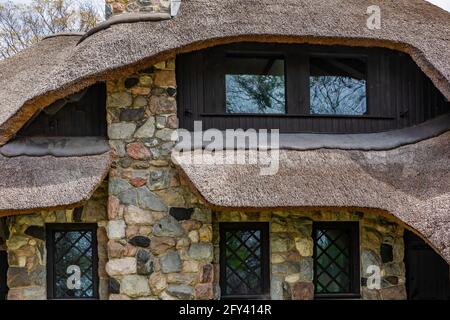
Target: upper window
(338, 86)
(255, 85)
(72, 260)
(80, 115)
(303, 88)
(244, 260)
(336, 259)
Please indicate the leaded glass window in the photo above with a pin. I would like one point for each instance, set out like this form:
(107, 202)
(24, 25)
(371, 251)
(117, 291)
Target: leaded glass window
(336, 262)
(338, 86)
(72, 261)
(244, 260)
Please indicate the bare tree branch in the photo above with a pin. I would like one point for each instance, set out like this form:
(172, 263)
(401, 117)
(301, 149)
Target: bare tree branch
(24, 25)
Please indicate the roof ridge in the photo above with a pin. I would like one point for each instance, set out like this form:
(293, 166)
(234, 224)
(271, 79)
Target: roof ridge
(63, 34)
(127, 17)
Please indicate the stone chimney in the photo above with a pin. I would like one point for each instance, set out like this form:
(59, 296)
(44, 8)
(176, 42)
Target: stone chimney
(114, 7)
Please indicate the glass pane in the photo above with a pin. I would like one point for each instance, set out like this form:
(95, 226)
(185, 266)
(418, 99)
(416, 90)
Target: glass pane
(73, 258)
(332, 261)
(243, 270)
(255, 85)
(338, 86)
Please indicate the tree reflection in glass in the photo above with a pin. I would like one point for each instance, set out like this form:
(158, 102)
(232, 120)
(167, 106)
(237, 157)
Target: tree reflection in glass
(255, 85)
(338, 86)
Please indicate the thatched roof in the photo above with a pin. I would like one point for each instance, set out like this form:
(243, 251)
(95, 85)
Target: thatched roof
(59, 66)
(411, 182)
(31, 183)
(386, 140)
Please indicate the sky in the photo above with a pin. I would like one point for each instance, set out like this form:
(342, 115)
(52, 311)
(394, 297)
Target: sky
(28, 1)
(441, 3)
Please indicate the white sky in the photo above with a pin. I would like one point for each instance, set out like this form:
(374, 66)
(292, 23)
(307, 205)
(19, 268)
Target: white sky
(441, 3)
(28, 1)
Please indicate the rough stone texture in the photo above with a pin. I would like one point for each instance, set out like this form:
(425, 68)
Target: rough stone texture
(114, 7)
(171, 262)
(145, 262)
(148, 195)
(135, 286)
(302, 291)
(140, 241)
(137, 216)
(159, 245)
(181, 291)
(121, 130)
(116, 229)
(155, 210)
(201, 251)
(292, 245)
(26, 248)
(117, 267)
(167, 227)
(393, 293)
(147, 129)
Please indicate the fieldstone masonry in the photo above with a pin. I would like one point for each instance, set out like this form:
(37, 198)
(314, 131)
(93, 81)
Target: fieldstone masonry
(291, 249)
(163, 242)
(120, 6)
(27, 250)
(158, 240)
(159, 232)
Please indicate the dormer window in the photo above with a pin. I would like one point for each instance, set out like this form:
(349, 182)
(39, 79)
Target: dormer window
(79, 115)
(303, 88)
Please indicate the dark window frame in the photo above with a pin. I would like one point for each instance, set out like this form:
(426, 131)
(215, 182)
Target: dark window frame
(263, 227)
(50, 231)
(355, 280)
(297, 77)
(390, 104)
(79, 115)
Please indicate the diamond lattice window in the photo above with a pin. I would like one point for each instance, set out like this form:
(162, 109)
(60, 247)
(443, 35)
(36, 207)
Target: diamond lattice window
(336, 265)
(244, 259)
(72, 265)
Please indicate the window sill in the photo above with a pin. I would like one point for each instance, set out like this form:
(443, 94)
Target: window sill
(284, 115)
(246, 297)
(339, 296)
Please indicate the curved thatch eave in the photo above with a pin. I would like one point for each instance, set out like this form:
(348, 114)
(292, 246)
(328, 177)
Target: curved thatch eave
(60, 66)
(35, 183)
(411, 182)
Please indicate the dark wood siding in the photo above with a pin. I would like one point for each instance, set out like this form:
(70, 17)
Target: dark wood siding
(3, 274)
(427, 273)
(86, 117)
(399, 94)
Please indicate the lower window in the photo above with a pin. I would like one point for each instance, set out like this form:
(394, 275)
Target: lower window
(72, 261)
(336, 260)
(244, 260)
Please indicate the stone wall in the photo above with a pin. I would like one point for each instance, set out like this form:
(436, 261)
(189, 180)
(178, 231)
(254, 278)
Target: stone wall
(120, 6)
(27, 250)
(159, 232)
(291, 250)
(158, 240)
